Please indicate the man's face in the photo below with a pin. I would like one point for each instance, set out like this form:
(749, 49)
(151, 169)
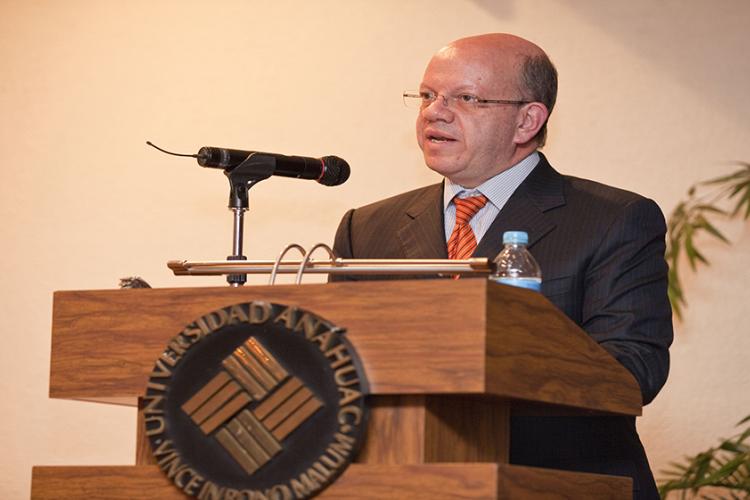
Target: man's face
(468, 145)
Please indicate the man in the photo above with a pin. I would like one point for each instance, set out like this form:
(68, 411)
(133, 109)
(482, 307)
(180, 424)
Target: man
(484, 103)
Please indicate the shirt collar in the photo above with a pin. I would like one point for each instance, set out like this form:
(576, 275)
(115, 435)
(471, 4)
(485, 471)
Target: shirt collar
(497, 189)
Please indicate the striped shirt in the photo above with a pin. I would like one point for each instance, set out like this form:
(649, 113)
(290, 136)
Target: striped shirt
(498, 190)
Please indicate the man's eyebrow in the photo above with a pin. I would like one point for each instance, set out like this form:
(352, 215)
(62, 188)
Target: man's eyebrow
(461, 89)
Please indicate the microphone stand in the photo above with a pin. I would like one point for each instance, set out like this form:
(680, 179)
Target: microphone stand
(255, 168)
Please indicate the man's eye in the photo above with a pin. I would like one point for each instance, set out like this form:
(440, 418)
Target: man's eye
(467, 98)
(427, 96)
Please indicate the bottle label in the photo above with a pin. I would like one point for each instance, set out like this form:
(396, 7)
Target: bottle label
(530, 283)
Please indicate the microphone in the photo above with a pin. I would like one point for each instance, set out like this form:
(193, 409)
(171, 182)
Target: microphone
(329, 170)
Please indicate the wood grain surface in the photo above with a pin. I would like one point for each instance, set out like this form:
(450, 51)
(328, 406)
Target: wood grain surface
(466, 429)
(446, 363)
(414, 337)
(105, 343)
(367, 482)
(538, 354)
(395, 431)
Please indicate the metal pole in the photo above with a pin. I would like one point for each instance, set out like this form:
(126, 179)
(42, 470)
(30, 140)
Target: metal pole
(237, 237)
(238, 233)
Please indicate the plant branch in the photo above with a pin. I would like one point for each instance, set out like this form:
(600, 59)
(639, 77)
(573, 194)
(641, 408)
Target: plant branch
(694, 217)
(725, 466)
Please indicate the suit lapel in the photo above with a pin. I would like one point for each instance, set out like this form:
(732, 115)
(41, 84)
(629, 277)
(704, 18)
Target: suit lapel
(423, 234)
(541, 191)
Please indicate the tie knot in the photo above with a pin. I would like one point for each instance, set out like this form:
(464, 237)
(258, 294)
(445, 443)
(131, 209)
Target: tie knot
(466, 208)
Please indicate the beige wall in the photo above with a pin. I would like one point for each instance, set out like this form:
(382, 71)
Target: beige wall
(653, 96)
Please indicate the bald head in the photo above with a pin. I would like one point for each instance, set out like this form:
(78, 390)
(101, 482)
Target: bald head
(498, 45)
(514, 61)
(490, 99)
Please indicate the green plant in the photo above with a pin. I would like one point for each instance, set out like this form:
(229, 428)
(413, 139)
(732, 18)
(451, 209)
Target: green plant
(726, 466)
(692, 217)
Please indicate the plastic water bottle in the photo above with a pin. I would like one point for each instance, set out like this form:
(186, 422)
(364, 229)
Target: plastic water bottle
(514, 265)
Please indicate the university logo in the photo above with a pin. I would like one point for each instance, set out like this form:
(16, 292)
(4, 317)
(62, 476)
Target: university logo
(256, 401)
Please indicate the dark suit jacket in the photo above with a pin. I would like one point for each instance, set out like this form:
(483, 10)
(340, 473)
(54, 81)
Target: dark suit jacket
(601, 251)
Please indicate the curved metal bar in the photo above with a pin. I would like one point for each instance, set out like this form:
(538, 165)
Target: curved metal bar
(277, 263)
(304, 262)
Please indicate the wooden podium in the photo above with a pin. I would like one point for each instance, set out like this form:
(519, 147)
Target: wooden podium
(447, 362)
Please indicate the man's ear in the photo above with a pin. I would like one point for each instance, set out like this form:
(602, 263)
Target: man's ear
(531, 117)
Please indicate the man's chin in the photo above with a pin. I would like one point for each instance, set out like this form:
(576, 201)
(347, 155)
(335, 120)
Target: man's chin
(444, 168)
(456, 174)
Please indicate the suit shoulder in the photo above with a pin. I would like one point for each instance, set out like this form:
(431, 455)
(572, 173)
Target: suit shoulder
(602, 196)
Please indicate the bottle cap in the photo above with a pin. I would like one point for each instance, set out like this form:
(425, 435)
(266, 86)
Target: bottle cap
(517, 237)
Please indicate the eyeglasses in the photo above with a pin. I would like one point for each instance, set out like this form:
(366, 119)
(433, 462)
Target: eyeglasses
(421, 100)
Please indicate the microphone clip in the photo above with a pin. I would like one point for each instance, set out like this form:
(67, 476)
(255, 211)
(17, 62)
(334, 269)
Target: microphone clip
(255, 168)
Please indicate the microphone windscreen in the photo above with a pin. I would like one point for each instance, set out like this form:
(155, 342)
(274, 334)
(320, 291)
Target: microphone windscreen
(336, 171)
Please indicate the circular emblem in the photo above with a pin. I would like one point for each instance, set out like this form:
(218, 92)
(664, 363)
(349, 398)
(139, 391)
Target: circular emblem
(256, 401)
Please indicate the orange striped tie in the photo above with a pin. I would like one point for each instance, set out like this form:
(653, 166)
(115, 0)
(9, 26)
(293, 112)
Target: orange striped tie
(462, 242)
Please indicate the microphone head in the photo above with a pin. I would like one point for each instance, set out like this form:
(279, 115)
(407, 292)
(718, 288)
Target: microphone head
(335, 171)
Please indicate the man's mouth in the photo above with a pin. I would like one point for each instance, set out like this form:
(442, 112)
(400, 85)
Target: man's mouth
(437, 138)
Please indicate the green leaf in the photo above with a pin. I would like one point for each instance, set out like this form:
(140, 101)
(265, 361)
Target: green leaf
(676, 309)
(726, 178)
(676, 289)
(727, 469)
(679, 466)
(703, 464)
(673, 252)
(705, 224)
(711, 208)
(742, 201)
(729, 446)
(735, 191)
(689, 218)
(693, 254)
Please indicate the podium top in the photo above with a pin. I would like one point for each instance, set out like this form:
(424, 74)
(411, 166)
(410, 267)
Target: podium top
(464, 336)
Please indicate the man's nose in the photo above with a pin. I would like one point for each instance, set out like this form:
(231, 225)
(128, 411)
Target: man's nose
(438, 109)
